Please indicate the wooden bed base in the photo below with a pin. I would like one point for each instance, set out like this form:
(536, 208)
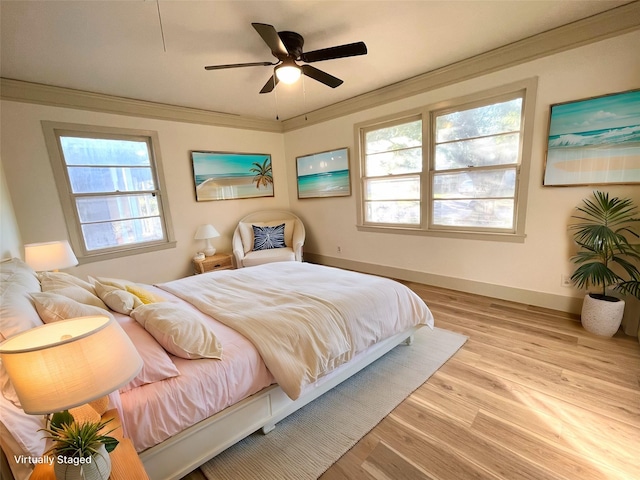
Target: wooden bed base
(186, 451)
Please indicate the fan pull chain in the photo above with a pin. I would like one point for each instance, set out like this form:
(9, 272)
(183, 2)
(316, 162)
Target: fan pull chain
(275, 93)
(164, 45)
(304, 98)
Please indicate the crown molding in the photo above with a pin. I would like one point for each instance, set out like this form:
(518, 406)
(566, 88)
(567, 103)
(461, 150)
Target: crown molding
(612, 23)
(20, 91)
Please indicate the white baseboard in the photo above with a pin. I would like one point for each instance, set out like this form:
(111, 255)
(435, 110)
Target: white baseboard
(539, 299)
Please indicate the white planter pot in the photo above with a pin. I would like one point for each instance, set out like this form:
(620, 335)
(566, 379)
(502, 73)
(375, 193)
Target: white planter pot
(601, 317)
(99, 468)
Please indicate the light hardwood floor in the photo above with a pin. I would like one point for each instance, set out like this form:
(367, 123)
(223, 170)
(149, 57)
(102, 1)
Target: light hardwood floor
(531, 395)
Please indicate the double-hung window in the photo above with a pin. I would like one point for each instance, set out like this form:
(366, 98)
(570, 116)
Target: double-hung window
(111, 188)
(476, 155)
(392, 168)
(454, 169)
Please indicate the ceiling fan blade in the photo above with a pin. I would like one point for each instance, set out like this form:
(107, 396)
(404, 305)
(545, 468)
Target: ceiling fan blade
(271, 38)
(270, 85)
(322, 77)
(238, 65)
(341, 51)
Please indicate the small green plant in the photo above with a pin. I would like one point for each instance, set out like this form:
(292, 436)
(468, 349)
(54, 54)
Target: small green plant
(605, 224)
(77, 440)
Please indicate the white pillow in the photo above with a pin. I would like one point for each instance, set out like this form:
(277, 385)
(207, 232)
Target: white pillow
(116, 299)
(11, 265)
(15, 270)
(80, 295)
(246, 232)
(57, 280)
(17, 312)
(53, 307)
(179, 330)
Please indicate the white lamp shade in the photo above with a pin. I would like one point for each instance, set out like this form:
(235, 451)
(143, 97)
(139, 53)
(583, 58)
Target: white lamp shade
(68, 363)
(206, 231)
(47, 256)
(288, 72)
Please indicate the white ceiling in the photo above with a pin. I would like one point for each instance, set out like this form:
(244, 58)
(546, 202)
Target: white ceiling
(116, 47)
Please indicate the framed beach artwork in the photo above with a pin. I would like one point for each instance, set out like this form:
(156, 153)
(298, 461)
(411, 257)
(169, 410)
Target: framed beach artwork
(226, 176)
(594, 141)
(324, 174)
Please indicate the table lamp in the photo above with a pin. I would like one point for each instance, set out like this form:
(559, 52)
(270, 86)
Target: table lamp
(48, 256)
(68, 363)
(207, 232)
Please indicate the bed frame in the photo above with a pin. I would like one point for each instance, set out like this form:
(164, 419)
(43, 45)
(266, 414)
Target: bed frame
(177, 456)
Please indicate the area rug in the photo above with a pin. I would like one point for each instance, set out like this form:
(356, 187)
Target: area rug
(309, 441)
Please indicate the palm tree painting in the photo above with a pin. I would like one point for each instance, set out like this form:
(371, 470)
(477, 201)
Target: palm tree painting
(226, 176)
(263, 175)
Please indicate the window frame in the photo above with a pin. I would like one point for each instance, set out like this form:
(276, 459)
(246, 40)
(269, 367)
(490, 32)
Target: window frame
(52, 133)
(527, 90)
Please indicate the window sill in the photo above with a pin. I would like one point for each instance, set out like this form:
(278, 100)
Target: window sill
(486, 236)
(99, 257)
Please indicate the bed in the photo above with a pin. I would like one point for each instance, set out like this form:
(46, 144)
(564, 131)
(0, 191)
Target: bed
(225, 353)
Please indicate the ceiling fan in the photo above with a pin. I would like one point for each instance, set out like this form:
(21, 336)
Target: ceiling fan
(287, 48)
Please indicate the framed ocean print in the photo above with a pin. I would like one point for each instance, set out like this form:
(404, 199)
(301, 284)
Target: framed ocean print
(594, 141)
(324, 174)
(226, 176)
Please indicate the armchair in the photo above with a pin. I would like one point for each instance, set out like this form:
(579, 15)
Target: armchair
(244, 250)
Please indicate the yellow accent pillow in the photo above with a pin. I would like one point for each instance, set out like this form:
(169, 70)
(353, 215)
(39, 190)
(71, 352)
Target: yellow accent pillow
(145, 296)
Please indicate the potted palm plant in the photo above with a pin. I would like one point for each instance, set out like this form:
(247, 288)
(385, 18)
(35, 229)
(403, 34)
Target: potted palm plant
(602, 231)
(80, 449)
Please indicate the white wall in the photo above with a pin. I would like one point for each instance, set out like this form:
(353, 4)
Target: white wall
(39, 213)
(535, 265)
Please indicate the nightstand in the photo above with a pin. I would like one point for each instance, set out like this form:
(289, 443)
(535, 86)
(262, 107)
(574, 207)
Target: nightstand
(219, 261)
(125, 463)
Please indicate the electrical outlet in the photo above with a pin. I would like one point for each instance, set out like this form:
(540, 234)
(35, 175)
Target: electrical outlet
(565, 280)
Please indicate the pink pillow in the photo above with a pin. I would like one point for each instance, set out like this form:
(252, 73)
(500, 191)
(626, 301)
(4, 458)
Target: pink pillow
(157, 365)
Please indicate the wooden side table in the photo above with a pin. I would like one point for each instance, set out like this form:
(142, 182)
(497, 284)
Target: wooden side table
(219, 261)
(125, 463)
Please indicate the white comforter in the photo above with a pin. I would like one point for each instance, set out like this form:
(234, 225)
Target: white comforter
(304, 319)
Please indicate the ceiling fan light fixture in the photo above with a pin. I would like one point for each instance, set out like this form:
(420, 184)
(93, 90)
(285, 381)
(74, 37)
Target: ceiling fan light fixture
(287, 46)
(288, 72)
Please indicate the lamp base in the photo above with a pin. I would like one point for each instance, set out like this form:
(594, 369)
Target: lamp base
(209, 252)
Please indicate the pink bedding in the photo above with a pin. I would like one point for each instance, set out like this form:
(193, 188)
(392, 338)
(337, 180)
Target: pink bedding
(154, 412)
